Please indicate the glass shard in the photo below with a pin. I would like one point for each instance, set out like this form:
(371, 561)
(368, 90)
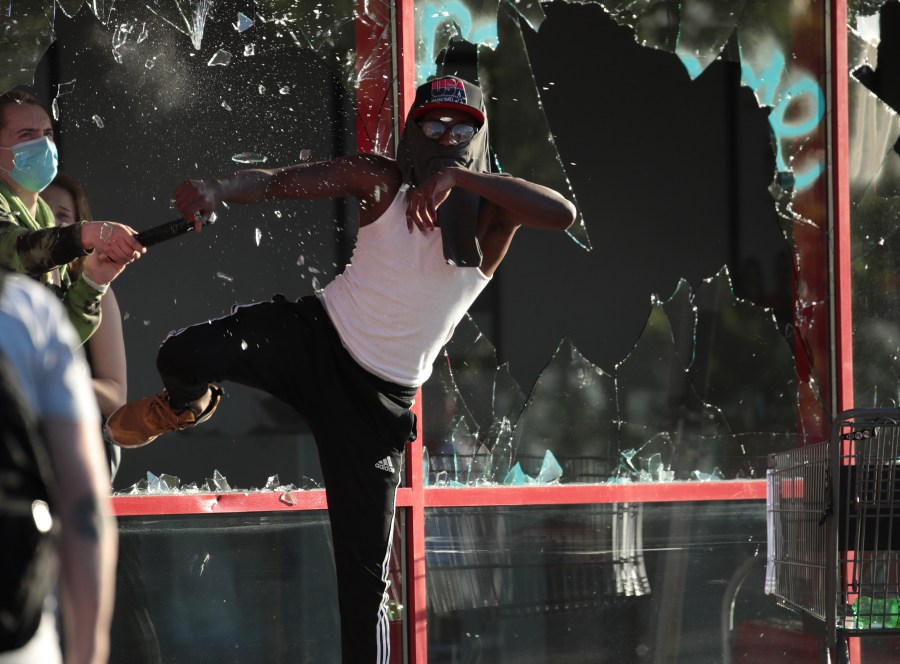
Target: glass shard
(659, 410)
(102, 9)
(526, 147)
(744, 356)
(220, 58)
(243, 23)
(551, 471)
(218, 482)
(572, 411)
(186, 16)
(62, 89)
(501, 448)
(249, 158)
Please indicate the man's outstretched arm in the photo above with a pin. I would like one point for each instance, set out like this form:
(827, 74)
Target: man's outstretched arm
(362, 176)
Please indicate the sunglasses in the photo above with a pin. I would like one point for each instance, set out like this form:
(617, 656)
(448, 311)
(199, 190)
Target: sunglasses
(459, 133)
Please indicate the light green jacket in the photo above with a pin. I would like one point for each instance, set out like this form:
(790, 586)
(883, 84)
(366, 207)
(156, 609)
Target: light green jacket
(38, 248)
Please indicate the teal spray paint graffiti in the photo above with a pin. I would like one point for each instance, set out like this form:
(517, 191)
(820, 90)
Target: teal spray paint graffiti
(803, 93)
(433, 18)
(800, 93)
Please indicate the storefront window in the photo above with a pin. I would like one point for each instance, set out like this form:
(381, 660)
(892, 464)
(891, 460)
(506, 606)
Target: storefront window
(685, 311)
(689, 307)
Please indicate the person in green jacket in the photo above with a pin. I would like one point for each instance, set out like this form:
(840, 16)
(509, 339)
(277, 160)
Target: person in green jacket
(30, 242)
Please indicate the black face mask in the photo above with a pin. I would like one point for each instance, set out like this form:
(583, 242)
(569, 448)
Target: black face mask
(419, 157)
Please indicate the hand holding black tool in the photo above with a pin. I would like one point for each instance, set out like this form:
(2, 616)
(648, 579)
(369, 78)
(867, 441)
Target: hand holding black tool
(169, 230)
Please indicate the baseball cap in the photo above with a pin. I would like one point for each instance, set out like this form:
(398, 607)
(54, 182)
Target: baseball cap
(449, 92)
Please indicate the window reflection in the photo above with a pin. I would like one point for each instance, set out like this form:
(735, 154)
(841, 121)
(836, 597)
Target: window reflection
(625, 583)
(237, 588)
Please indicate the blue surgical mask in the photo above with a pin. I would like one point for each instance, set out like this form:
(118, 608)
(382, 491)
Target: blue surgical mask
(34, 164)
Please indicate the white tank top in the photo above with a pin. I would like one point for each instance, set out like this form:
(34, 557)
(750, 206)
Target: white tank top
(398, 301)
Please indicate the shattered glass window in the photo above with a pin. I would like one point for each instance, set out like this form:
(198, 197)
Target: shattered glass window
(874, 133)
(144, 95)
(679, 331)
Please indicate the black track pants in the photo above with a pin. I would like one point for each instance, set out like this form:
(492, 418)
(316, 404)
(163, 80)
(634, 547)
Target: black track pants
(361, 424)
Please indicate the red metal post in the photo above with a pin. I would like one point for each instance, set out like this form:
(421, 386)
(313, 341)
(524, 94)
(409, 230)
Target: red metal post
(417, 610)
(840, 200)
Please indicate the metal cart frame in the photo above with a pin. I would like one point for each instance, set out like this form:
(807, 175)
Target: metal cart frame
(833, 548)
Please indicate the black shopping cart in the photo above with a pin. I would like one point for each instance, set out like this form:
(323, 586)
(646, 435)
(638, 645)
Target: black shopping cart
(833, 518)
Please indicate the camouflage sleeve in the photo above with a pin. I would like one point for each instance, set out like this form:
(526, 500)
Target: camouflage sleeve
(35, 252)
(82, 303)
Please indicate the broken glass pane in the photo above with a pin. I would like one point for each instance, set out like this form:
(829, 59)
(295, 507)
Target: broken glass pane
(572, 412)
(780, 60)
(656, 418)
(186, 16)
(526, 146)
(26, 32)
(875, 204)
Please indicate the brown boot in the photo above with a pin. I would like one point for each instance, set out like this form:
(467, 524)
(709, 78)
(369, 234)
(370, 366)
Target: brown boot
(140, 422)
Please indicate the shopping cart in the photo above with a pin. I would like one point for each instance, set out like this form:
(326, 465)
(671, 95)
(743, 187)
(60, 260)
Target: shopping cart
(833, 517)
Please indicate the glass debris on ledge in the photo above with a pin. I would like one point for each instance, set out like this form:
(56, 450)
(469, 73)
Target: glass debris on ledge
(218, 483)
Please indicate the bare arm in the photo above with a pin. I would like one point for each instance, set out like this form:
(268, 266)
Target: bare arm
(89, 540)
(108, 362)
(366, 177)
(515, 202)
